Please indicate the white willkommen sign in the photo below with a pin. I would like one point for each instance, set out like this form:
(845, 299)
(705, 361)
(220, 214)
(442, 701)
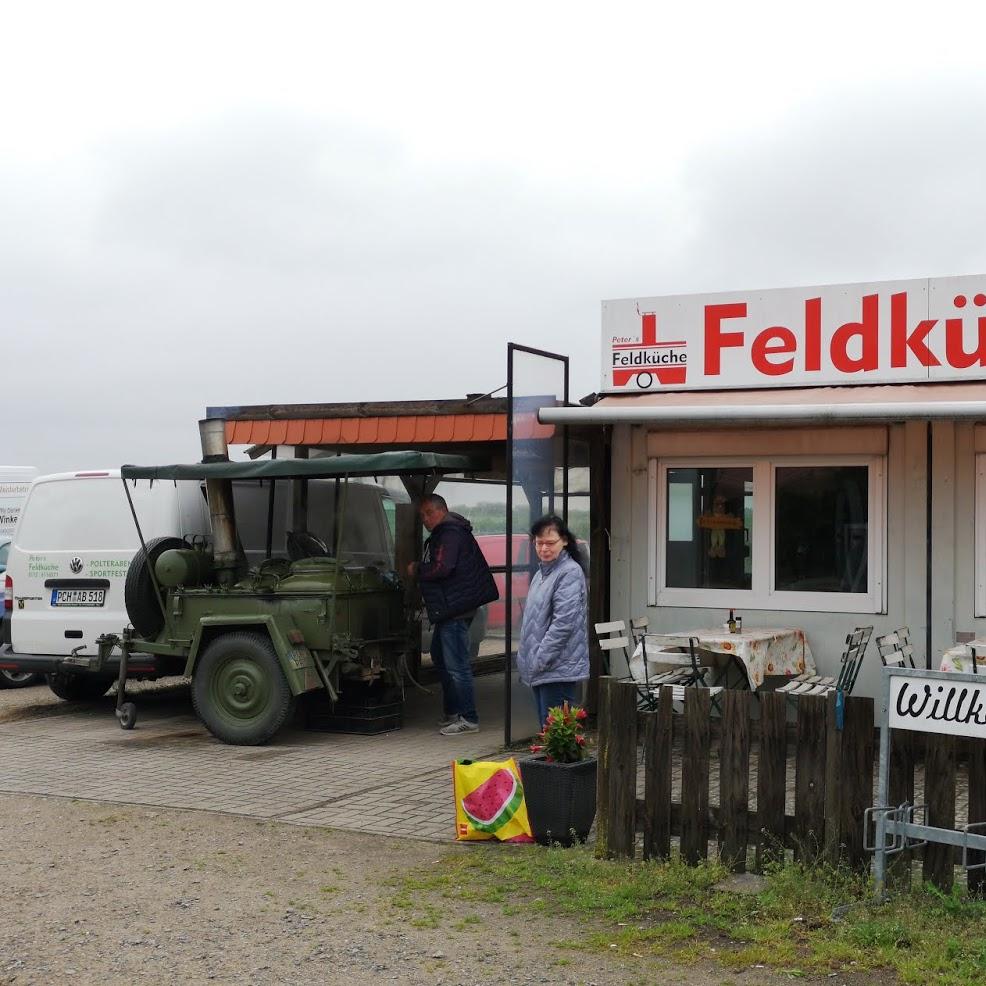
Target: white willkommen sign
(939, 704)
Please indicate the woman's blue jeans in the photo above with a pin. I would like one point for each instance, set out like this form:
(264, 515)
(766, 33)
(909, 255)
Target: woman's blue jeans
(556, 693)
(450, 655)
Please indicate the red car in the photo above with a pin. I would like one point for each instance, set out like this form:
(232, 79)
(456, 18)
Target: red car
(494, 548)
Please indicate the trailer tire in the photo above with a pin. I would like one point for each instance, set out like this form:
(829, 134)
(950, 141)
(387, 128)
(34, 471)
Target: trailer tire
(78, 687)
(139, 594)
(239, 690)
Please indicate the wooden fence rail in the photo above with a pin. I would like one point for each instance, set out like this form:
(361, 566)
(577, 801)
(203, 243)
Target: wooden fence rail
(834, 752)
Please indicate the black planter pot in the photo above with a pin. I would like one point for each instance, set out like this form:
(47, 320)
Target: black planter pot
(560, 798)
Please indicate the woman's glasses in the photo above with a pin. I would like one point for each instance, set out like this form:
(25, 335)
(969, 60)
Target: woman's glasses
(546, 544)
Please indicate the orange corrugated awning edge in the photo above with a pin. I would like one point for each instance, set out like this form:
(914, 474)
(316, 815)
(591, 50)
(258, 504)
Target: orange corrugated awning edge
(410, 428)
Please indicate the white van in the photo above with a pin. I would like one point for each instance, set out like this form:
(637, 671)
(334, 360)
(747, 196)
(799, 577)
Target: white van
(14, 484)
(67, 567)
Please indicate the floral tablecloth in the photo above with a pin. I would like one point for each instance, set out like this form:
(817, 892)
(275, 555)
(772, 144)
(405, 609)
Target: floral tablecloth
(959, 657)
(761, 651)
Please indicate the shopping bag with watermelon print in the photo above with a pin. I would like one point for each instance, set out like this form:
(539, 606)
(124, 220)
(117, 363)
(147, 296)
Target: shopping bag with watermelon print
(489, 801)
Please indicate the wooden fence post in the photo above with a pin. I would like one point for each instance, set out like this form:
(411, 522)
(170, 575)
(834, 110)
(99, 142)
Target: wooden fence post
(848, 780)
(616, 798)
(734, 778)
(939, 796)
(695, 776)
(771, 778)
(602, 766)
(900, 788)
(658, 741)
(809, 779)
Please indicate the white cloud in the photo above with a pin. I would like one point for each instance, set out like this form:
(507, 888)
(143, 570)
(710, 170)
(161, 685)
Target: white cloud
(233, 204)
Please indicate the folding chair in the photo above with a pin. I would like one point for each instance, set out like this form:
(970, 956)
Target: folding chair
(639, 633)
(852, 659)
(678, 653)
(612, 636)
(896, 649)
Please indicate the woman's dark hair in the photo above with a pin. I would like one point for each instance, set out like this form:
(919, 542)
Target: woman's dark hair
(554, 521)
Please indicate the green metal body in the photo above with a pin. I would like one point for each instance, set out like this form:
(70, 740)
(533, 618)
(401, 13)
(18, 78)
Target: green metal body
(327, 622)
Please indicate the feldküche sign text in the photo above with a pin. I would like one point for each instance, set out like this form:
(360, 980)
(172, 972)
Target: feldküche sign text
(883, 332)
(938, 704)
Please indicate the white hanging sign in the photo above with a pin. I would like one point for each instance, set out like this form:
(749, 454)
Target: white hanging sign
(881, 332)
(938, 704)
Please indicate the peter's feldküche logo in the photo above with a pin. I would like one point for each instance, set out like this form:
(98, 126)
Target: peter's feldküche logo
(76, 565)
(648, 359)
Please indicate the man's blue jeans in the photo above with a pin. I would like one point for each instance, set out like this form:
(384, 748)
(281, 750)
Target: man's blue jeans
(556, 693)
(450, 654)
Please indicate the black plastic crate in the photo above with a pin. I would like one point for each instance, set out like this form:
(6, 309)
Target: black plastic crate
(362, 720)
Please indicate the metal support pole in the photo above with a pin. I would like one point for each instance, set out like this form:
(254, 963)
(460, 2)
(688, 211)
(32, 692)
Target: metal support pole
(883, 793)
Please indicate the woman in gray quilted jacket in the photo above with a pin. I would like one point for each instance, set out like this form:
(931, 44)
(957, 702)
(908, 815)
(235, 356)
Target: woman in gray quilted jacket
(553, 657)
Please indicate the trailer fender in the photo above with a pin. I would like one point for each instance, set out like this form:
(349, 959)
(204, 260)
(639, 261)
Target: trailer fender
(296, 660)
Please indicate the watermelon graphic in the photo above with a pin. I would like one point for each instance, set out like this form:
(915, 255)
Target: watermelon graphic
(494, 802)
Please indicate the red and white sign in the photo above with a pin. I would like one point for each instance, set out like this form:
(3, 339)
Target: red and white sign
(885, 332)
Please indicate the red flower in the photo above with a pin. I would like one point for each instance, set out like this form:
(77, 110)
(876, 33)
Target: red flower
(580, 740)
(581, 714)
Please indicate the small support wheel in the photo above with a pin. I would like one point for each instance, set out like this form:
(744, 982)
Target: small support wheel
(127, 714)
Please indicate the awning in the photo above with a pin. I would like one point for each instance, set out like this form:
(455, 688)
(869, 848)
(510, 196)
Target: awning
(802, 405)
(375, 464)
(406, 429)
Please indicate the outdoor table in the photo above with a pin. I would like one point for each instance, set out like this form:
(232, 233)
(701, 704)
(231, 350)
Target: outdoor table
(758, 651)
(959, 657)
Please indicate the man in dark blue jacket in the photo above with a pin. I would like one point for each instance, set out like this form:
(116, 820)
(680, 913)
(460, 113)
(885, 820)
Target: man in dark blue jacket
(455, 581)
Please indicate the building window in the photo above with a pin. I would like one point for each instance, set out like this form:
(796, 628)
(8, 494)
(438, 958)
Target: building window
(821, 528)
(769, 533)
(710, 519)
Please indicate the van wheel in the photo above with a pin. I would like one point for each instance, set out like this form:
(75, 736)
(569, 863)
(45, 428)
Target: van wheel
(78, 687)
(139, 594)
(239, 690)
(18, 679)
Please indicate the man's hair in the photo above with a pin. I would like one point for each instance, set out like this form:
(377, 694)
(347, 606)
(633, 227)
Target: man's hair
(435, 500)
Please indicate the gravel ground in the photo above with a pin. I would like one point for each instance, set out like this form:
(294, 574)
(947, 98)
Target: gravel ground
(111, 893)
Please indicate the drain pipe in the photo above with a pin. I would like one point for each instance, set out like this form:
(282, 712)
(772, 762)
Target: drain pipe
(228, 560)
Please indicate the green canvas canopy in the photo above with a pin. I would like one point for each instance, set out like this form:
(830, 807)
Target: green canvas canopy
(372, 464)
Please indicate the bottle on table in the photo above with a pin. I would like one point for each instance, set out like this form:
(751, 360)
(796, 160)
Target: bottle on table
(731, 622)
(739, 624)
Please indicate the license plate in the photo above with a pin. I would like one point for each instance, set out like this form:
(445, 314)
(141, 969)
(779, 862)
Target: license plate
(78, 597)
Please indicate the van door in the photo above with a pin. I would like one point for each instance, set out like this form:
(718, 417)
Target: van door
(70, 556)
(15, 481)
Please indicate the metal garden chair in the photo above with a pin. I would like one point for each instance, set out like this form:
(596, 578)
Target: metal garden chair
(896, 649)
(852, 660)
(613, 637)
(677, 667)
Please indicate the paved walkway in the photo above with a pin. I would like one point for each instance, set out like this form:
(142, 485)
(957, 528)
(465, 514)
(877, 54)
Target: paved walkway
(396, 783)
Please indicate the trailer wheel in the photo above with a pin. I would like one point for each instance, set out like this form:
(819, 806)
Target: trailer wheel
(127, 715)
(239, 690)
(78, 687)
(143, 605)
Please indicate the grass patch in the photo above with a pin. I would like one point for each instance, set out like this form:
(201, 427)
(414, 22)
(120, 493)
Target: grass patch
(805, 920)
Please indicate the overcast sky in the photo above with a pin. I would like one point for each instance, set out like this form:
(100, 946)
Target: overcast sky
(233, 203)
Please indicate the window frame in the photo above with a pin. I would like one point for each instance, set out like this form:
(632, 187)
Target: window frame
(763, 594)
